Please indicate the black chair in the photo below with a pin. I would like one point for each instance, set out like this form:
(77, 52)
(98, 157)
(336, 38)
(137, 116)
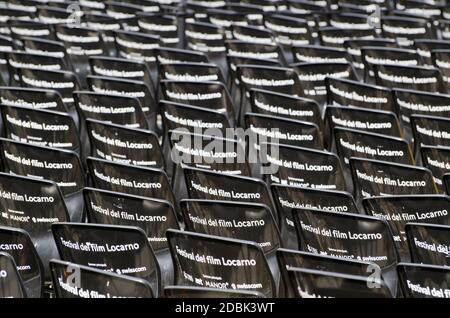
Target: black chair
(435, 158)
(346, 235)
(163, 25)
(406, 30)
(399, 210)
(427, 79)
(121, 68)
(124, 145)
(77, 281)
(154, 216)
(424, 281)
(18, 244)
(379, 55)
(200, 259)
(356, 143)
(61, 166)
(289, 197)
(321, 284)
(318, 53)
(46, 47)
(430, 131)
(284, 131)
(80, 43)
(289, 31)
(33, 98)
(376, 178)
(276, 79)
(127, 88)
(129, 179)
(41, 127)
(342, 92)
(64, 82)
(428, 243)
(313, 75)
(11, 285)
(208, 95)
(207, 185)
(288, 259)
(123, 250)
(138, 46)
(243, 221)
(291, 107)
(17, 59)
(303, 167)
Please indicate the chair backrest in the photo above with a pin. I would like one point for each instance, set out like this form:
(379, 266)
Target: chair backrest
(342, 92)
(199, 259)
(64, 82)
(309, 283)
(291, 107)
(313, 75)
(124, 145)
(122, 249)
(18, 244)
(71, 280)
(61, 166)
(376, 178)
(421, 78)
(32, 98)
(147, 182)
(154, 216)
(41, 127)
(410, 101)
(304, 167)
(244, 221)
(346, 235)
(128, 88)
(299, 259)
(424, 281)
(120, 110)
(357, 143)
(399, 210)
(208, 95)
(283, 131)
(435, 158)
(207, 185)
(289, 197)
(209, 152)
(11, 285)
(428, 243)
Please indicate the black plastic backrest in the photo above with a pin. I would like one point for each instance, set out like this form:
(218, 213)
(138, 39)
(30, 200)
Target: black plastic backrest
(147, 182)
(199, 259)
(78, 281)
(41, 127)
(154, 216)
(320, 284)
(11, 285)
(428, 243)
(424, 281)
(398, 211)
(61, 166)
(124, 145)
(244, 221)
(121, 249)
(18, 244)
(288, 197)
(298, 259)
(345, 235)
